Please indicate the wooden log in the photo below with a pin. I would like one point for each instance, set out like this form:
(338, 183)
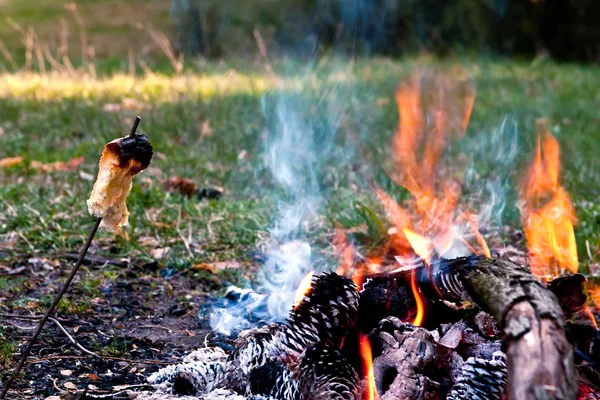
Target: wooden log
(540, 359)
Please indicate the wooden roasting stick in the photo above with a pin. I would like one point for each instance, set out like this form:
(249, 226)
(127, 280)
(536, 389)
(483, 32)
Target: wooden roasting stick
(539, 358)
(121, 159)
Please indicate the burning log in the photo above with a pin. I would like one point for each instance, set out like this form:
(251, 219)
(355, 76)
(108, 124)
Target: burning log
(540, 359)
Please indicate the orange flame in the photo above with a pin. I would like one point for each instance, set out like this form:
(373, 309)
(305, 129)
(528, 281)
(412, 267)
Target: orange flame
(547, 214)
(428, 120)
(367, 362)
(587, 311)
(303, 288)
(419, 300)
(345, 252)
(423, 247)
(420, 244)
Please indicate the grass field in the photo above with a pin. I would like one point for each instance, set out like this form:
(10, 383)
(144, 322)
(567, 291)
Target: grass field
(210, 127)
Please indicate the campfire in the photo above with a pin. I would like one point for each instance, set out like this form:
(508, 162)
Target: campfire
(434, 312)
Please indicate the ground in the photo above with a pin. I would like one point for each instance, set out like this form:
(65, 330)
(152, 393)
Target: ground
(137, 305)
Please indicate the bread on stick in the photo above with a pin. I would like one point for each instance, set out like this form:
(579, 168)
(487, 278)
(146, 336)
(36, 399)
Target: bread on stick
(121, 159)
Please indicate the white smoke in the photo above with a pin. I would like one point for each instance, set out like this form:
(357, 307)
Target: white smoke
(298, 142)
(296, 148)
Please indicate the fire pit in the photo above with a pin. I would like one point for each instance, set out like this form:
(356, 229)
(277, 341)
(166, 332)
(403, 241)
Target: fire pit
(433, 313)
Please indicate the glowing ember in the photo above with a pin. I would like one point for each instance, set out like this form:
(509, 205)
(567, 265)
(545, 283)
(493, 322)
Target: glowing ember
(367, 362)
(303, 289)
(547, 214)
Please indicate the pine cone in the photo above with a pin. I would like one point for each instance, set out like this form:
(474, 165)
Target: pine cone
(253, 347)
(262, 375)
(324, 374)
(201, 372)
(481, 379)
(326, 313)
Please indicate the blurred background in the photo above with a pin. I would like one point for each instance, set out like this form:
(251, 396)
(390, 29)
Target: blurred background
(566, 30)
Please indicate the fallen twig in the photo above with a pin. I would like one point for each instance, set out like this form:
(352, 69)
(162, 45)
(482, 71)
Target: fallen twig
(110, 358)
(98, 260)
(71, 339)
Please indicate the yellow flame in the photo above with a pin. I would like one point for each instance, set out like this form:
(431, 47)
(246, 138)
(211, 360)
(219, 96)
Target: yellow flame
(420, 244)
(419, 300)
(547, 214)
(367, 361)
(303, 288)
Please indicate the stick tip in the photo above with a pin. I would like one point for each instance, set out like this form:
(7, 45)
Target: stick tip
(136, 122)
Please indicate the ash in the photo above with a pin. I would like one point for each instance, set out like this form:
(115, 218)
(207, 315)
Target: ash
(314, 355)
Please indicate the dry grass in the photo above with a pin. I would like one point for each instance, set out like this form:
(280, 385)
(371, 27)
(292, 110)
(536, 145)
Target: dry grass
(110, 27)
(150, 87)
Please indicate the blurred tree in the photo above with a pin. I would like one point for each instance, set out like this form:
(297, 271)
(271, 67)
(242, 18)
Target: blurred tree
(187, 22)
(566, 29)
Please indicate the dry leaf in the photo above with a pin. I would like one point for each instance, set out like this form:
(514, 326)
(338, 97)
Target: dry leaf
(132, 104)
(66, 372)
(184, 186)
(31, 304)
(58, 166)
(93, 387)
(190, 333)
(93, 377)
(111, 107)
(206, 267)
(10, 161)
(76, 329)
(159, 252)
(70, 385)
(221, 265)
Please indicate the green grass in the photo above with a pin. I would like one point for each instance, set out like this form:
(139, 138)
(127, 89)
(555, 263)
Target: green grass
(59, 117)
(8, 347)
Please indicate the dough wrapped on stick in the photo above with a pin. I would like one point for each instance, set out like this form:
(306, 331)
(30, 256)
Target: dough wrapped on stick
(121, 160)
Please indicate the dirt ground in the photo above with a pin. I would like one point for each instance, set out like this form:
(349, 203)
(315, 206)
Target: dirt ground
(137, 323)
